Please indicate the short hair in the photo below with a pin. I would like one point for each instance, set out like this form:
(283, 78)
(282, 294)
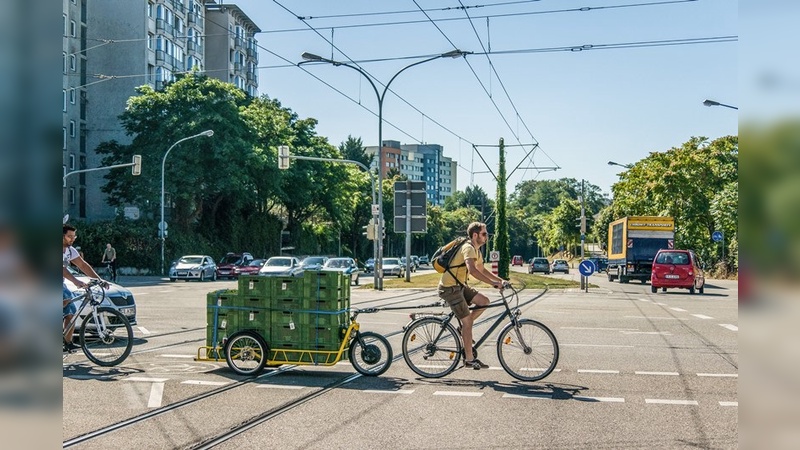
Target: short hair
(474, 227)
(68, 227)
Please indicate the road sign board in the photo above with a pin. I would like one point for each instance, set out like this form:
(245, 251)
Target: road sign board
(375, 209)
(494, 255)
(162, 225)
(586, 268)
(716, 236)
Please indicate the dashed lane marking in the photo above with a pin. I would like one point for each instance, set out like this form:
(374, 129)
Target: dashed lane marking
(379, 391)
(459, 394)
(537, 396)
(650, 318)
(661, 401)
(147, 380)
(729, 404)
(645, 300)
(156, 393)
(678, 309)
(722, 375)
(673, 374)
(599, 399)
(279, 386)
(176, 356)
(206, 383)
(662, 333)
(144, 330)
(597, 371)
(729, 326)
(701, 316)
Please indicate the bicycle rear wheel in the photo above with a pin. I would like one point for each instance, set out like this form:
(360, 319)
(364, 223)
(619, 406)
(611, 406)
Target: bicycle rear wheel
(109, 344)
(527, 351)
(431, 349)
(374, 357)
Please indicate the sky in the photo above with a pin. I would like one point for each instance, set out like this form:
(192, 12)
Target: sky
(566, 84)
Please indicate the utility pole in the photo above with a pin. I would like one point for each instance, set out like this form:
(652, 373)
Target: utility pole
(584, 280)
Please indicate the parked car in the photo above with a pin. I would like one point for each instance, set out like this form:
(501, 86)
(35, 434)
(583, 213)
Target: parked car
(313, 262)
(116, 297)
(347, 266)
(560, 265)
(370, 265)
(251, 268)
(193, 267)
(677, 269)
(424, 260)
(539, 265)
(600, 264)
(517, 261)
(281, 266)
(412, 266)
(393, 267)
(415, 260)
(229, 262)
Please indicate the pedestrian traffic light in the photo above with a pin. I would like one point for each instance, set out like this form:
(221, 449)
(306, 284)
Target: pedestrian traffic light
(283, 157)
(136, 169)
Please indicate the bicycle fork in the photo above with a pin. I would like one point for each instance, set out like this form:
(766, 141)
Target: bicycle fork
(515, 321)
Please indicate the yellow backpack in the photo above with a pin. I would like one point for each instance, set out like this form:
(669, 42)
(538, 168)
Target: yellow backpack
(444, 256)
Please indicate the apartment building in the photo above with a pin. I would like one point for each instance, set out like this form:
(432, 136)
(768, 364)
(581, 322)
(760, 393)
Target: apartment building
(124, 44)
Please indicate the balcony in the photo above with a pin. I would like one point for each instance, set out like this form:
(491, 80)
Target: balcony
(238, 43)
(193, 18)
(162, 25)
(252, 53)
(194, 47)
(177, 5)
(237, 67)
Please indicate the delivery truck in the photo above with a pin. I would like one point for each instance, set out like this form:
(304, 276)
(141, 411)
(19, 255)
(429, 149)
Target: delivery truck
(633, 243)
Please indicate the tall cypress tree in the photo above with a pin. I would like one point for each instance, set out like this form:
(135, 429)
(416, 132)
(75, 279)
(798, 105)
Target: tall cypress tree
(501, 230)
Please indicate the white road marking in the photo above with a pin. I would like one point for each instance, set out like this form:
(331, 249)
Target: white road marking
(539, 396)
(729, 326)
(674, 374)
(278, 386)
(166, 290)
(459, 394)
(537, 369)
(729, 404)
(663, 333)
(595, 328)
(597, 371)
(144, 330)
(599, 399)
(678, 309)
(378, 391)
(206, 383)
(596, 345)
(156, 392)
(660, 304)
(147, 380)
(644, 300)
(726, 375)
(177, 356)
(701, 316)
(670, 402)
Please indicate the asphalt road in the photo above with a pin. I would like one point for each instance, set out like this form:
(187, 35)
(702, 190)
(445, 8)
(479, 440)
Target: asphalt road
(636, 370)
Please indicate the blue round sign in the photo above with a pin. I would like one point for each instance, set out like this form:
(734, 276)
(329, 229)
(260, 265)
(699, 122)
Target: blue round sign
(586, 268)
(716, 236)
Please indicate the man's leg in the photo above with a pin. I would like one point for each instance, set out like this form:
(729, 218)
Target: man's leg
(466, 336)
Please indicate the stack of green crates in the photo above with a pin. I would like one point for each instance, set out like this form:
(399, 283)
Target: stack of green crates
(290, 313)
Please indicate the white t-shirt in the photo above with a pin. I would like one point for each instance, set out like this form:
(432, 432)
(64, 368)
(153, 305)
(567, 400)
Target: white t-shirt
(70, 254)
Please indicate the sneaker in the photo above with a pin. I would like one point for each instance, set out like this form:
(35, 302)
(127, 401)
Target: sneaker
(71, 348)
(475, 364)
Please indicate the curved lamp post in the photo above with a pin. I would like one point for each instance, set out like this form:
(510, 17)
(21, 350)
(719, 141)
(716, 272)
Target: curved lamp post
(627, 166)
(162, 227)
(310, 57)
(715, 103)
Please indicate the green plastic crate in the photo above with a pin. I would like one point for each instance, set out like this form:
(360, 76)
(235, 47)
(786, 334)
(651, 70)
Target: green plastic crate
(228, 297)
(254, 285)
(287, 287)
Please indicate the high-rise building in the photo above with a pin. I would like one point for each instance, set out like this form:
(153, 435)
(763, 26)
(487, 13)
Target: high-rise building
(124, 44)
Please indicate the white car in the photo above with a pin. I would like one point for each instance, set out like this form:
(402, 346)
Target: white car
(193, 267)
(281, 266)
(393, 267)
(116, 297)
(560, 265)
(346, 266)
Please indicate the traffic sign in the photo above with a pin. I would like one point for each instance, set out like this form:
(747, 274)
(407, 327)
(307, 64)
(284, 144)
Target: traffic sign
(586, 268)
(716, 236)
(162, 225)
(494, 255)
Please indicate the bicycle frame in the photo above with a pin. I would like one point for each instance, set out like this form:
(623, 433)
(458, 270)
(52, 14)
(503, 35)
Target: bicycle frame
(85, 299)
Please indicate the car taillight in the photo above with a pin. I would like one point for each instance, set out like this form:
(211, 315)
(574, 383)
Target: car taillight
(691, 273)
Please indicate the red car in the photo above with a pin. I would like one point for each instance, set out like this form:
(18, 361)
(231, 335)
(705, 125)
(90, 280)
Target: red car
(677, 269)
(251, 268)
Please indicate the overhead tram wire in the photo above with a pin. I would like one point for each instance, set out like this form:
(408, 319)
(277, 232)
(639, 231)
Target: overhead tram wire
(491, 16)
(412, 11)
(377, 80)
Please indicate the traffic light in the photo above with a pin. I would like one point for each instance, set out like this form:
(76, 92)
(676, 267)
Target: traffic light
(283, 157)
(370, 230)
(136, 169)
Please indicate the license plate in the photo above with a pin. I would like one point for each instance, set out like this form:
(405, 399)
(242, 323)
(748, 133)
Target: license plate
(672, 277)
(126, 311)
(182, 273)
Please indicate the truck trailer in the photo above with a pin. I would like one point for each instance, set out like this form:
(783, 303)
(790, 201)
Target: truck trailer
(633, 243)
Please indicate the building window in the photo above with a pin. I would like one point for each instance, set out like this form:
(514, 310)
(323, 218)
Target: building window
(149, 9)
(65, 24)
(72, 128)
(65, 100)
(65, 62)
(72, 196)
(72, 63)
(150, 41)
(72, 28)
(71, 162)
(65, 137)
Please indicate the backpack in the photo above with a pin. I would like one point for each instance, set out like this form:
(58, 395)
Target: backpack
(442, 258)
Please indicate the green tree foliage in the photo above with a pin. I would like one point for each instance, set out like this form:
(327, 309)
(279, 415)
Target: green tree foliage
(354, 150)
(501, 236)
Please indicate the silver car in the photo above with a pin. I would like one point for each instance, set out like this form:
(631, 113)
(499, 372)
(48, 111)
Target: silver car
(282, 266)
(393, 267)
(193, 267)
(116, 297)
(560, 265)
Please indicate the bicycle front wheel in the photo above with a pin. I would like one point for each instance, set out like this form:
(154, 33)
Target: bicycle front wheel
(528, 351)
(109, 343)
(370, 353)
(432, 349)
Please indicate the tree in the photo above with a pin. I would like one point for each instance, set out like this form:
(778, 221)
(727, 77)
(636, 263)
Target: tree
(353, 149)
(501, 230)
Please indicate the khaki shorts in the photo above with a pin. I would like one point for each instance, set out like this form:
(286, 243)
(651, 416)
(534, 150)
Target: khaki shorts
(458, 298)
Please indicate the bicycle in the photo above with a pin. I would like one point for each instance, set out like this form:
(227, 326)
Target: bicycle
(247, 352)
(106, 336)
(527, 349)
(109, 273)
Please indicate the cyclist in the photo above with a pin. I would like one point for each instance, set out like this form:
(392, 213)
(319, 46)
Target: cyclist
(456, 291)
(71, 256)
(110, 258)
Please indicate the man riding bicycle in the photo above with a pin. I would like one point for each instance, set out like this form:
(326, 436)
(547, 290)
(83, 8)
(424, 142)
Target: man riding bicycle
(71, 256)
(454, 290)
(110, 258)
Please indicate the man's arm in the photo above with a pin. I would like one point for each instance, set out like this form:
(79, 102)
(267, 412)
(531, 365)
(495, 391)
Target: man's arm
(85, 267)
(483, 275)
(68, 275)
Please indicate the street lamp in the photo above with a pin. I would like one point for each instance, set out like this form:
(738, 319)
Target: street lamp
(162, 226)
(310, 57)
(715, 103)
(627, 166)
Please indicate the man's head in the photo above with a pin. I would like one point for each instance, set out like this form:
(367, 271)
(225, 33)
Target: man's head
(108, 246)
(69, 235)
(479, 229)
